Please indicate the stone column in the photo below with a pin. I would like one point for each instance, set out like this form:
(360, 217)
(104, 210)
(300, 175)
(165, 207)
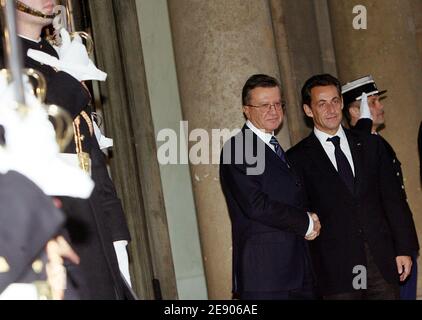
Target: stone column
(218, 44)
(135, 168)
(298, 58)
(387, 49)
(417, 12)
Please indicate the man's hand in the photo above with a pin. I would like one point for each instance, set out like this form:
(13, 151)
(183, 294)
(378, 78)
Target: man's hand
(404, 266)
(317, 228)
(57, 250)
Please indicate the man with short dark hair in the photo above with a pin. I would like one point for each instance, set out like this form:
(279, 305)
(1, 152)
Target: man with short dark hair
(364, 247)
(365, 113)
(269, 220)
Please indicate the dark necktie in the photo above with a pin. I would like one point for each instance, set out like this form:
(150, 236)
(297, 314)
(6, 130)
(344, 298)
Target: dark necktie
(343, 165)
(278, 149)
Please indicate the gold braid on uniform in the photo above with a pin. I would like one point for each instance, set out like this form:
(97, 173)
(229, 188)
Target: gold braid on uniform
(82, 156)
(33, 12)
(89, 122)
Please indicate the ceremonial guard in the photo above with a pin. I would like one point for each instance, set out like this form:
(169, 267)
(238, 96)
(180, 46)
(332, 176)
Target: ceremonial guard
(97, 226)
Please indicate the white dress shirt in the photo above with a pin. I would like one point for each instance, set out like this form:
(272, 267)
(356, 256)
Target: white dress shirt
(33, 40)
(266, 137)
(329, 146)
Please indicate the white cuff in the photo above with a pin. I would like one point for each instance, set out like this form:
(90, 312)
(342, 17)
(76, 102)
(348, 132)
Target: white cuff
(20, 291)
(311, 225)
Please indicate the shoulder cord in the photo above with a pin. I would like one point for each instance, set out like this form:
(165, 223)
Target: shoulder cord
(83, 156)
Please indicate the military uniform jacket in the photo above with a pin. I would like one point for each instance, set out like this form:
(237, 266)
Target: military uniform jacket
(28, 220)
(365, 126)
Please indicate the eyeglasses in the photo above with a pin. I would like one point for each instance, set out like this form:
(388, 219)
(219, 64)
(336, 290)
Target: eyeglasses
(267, 106)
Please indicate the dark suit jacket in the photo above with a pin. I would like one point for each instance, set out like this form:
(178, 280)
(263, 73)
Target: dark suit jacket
(374, 213)
(268, 218)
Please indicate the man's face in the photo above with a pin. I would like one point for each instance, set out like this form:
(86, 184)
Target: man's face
(375, 107)
(45, 6)
(325, 108)
(270, 119)
(377, 110)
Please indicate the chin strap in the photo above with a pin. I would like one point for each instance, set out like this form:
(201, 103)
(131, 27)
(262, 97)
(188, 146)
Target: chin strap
(24, 8)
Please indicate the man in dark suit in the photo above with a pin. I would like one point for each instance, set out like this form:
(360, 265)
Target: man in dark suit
(365, 246)
(266, 203)
(365, 113)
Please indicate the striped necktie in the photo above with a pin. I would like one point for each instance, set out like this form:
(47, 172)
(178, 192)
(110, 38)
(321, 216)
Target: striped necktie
(278, 149)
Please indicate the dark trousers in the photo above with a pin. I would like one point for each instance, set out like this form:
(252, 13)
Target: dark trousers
(306, 292)
(297, 294)
(377, 287)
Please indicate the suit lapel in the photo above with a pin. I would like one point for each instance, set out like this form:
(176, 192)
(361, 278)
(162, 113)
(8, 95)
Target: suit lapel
(274, 159)
(318, 155)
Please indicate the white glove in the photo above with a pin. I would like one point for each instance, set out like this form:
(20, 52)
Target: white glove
(73, 59)
(103, 141)
(122, 259)
(364, 108)
(31, 148)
